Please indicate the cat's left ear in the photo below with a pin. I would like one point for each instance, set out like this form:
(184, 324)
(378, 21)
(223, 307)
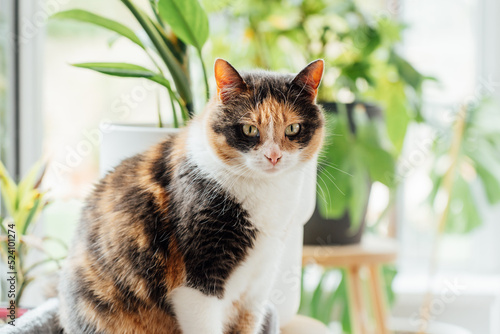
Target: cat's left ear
(309, 78)
(229, 81)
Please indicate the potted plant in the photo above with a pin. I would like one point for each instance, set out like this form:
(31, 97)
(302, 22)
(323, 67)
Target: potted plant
(23, 204)
(362, 65)
(172, 28)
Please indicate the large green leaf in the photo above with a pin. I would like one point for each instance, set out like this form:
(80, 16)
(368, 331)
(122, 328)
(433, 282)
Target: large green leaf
(377, 159)
(119, 69)
(335, 169)
(317, 296)
(407, 72)
(488, 170)
(85, 16)
(178, 73)
(9, 190)
(463, 216)
(360, 190)
(176, 50)
(187, 19)
(132, 71)
(380, 164)
(392, 96)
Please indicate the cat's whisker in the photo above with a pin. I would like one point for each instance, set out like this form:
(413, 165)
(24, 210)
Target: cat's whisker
(332, 166)
(335, 184)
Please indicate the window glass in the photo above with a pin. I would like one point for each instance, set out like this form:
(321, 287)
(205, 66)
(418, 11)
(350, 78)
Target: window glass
(5, 80)
(446, 48)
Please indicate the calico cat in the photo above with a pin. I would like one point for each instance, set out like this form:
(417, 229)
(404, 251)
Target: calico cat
(186, 237)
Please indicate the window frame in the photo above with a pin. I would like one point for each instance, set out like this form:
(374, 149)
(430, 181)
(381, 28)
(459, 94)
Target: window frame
(23, 114)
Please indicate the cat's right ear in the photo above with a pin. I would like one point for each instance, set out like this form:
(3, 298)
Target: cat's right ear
(229, 81)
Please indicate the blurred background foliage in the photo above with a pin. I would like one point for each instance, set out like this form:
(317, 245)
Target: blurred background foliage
(466, 162)
(362, 65)
(360, 51)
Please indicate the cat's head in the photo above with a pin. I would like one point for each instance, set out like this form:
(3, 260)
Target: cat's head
(265, 123)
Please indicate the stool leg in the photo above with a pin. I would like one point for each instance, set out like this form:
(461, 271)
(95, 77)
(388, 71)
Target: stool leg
(355, 298)
(377, 298)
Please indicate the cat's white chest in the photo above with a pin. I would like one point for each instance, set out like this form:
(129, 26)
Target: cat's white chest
(273, 208)
(271, 204)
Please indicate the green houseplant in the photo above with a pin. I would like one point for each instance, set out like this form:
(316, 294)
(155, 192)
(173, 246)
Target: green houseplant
(171, 29)
(362, 65)
(23, 202)
(172, 26)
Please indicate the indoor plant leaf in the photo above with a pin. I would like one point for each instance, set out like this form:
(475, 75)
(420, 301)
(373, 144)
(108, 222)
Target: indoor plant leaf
(176, 69)
(119, 69)
(9, 190)
(187, 19)
(360, 191)
(134, 71)
(488, 170)
(463, 216)
(85, 16)
(334, 169)
(316, 297)
(380, 164)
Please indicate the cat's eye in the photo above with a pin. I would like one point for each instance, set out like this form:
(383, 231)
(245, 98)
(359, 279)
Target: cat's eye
(250, 130)
(292, 129)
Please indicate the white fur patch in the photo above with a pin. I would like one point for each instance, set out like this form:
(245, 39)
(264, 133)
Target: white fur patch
(274, 206)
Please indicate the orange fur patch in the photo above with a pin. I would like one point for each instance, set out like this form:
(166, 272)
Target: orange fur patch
(244, 322)
(314, 146)
(176, 269)
(218, 141)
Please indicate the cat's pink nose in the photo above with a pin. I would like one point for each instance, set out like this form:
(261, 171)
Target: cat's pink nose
(274, 157)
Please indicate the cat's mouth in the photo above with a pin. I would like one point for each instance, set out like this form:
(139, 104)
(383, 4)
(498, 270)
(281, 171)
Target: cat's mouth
(272, 169)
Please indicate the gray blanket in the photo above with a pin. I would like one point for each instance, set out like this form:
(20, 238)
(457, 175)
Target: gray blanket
(44, 320)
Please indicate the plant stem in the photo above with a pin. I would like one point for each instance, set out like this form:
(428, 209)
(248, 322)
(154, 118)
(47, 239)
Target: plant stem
(160, 123)
(205, 77)
(175, 68)
(39, 263)
(176, 121)
(448, 183)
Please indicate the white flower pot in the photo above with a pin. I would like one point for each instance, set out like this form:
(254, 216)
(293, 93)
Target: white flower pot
(123, 141)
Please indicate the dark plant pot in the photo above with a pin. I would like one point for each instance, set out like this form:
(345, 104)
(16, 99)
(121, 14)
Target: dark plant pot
(372, 110)
(322, 231)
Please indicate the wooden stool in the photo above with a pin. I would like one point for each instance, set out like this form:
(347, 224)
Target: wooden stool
(371, 253)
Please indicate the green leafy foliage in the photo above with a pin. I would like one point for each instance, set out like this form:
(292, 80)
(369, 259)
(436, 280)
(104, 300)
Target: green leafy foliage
(350, 162)
(188, 24)
(187, 20)
(119, 69)
(359, 51)
(85, 16)
(24, 203)
(329, 300)
(361, 64)
(477, 167)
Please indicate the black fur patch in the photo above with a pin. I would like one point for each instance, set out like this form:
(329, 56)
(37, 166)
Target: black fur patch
(212, 229)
